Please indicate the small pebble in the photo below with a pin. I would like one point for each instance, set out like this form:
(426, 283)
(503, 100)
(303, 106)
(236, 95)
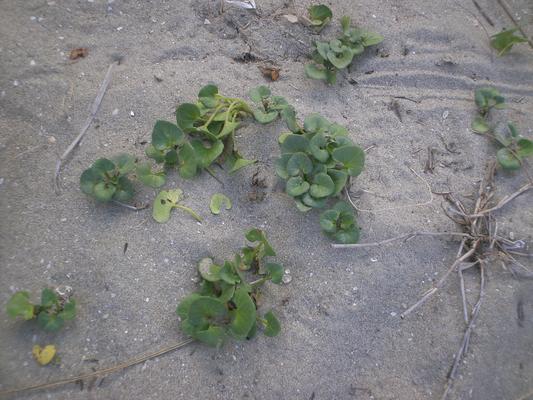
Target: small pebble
(207, 22)
(445, 114)
(16, 83)
(393, 314)
(32, 62)
(511, 235)
(120, 28)
(51, 140)
(286, 278)
(115, 112)
(132, 114)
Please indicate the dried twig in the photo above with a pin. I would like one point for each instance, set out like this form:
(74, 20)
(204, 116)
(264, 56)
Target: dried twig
(503, 201)
(130, 207)
(406, 236)
(94, 109)
(101, 372)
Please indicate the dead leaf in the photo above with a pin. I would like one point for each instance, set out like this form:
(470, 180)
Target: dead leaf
(293, 19)
(80, 52)
(43, 355)
(269, 72)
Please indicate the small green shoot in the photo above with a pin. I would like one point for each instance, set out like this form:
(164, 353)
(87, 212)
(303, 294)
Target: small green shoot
(339, 223)
(329, 57)
(319, 15)
(514, 147)
(226, 304)
(51, 313)
(167, 200)
(504, 41)
(218, 201)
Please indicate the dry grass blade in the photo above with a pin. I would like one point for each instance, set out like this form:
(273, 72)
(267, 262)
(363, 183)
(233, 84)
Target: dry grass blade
(406, 236)
(101, 372)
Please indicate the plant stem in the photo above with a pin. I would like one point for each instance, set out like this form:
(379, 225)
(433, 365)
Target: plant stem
(190, 211)
(212, 116)
(259, 282)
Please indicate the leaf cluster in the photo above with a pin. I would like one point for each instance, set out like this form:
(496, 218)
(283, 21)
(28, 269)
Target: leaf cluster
(329, 57)
(504, 41)
(204, 133)
(108, 180)
(226, 304)
(51, 313)
(514, 147)
(319, 15)
(339, 223)
(317, 161)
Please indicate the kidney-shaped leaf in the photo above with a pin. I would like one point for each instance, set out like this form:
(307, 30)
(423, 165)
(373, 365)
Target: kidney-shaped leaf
(219, 200)
(244, 315)
(166, 135)
(19, 305)
(299, 163)
(352, 157)
(322, 186)
(272, 325)
(186, 115)
(163, 204)
(296, 186)
(148, 177)
(205, 311)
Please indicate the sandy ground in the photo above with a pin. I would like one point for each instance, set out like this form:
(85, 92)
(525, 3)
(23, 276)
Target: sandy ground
(342, 336)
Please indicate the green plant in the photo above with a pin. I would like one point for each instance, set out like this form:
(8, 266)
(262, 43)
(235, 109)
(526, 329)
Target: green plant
(269, 107)
(226, 304)
(108, 180)
(166, 201)
(504, 41)
(219, 201)
(329, 57)
(204, 133)
(51, 313)
(514, 147)
(319, 16)
(339, 223)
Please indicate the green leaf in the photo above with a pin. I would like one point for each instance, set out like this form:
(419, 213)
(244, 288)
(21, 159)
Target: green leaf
(480, 125)
(301, 206)
(188, 166)
(317, 147)
(208, 270)
(148, 177)
(205, 156)
(288, 114)
(259, 93)
(314, 72)
(244, 315)
(236, 162)
(272, 326)
(507, 159)
(228, 274)
(50, 322)
(163, 204)
(345, 23)
(69, 310)
(124, 189)
(341, 60)
(229, 127)
(275, 271)
(265, 118)
(322, 186)
(320, 13)
(103, 166)
(315, 123)
(207, 96)
(525, 147)
(350, 236)
(281, 166)
(157, 155)
(299, 163)
(371, 39)
(186, 115)
(88, 179)
(183, 308)
(218, 200)
(205, 311)
(19, 305)
(296, 186)
(505, 40)
(512, 130)
(213, 336)
(328, 220)
(166, 135)
(294, 143)
(124, 163)
(310, 201)
(352, 157)
(104, 191)
(48, 298)
(339, 178)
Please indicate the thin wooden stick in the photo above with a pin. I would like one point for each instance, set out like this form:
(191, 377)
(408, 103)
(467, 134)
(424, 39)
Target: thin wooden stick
(94, 109)
(397, 238)
(466, 337)
(101, 372)
(441, 281)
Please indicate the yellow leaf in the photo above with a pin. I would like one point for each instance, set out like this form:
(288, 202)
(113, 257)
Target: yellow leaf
(43, 355)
